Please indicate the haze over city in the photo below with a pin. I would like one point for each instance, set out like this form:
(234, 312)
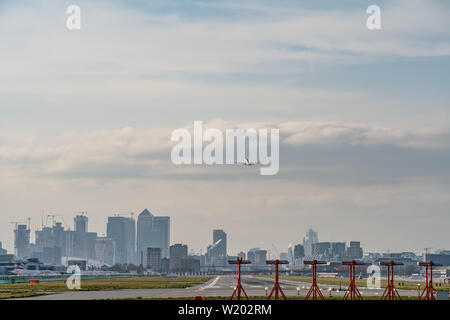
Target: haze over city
(86, 118)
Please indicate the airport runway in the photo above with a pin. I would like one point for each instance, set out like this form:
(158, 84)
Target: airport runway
(219, 286)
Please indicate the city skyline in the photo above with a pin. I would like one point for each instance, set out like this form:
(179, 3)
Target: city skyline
(86, 117)
(307, 241)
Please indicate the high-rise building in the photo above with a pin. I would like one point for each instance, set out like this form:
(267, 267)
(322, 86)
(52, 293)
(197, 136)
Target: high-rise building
(22, 241)
(145, 235)
(251, 255)
(299, 251)
(83, 242)
(154, 259)
(162, 225)
(354, 251)
(53, 243)
(220, 237)
(105, 250)
(311, 237)
(178, 252)
(81, 224)
(217, 252)
(2, 251)
(260, 257)
(321, 248)
(123, 231)
(338, 249)
(152, 232)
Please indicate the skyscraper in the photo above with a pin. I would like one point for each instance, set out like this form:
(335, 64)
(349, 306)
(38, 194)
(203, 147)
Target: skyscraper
(145, 235)
(152, 232)
(162, 224)
(217, 252)
(123, 231)
(311, 237)
(81, 224)
(22, 241)
(219, 234)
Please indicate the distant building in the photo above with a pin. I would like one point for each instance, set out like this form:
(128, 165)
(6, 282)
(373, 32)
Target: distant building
(81, 224)
(338, 249)
(190, 265)
(178, 252)
(444, 259)
(354, 251)
(299, 251)
(241, 255)
(105, 250)
(311, 237)
(219, 234)
(284, 256)
(152, 232)
(321, 248)
(146, 236)
(260, 257)
(123, 231)
(165, 265)
(22, 241)
(2, 251)
(216, 254)
(52, 243)
(251, 255)
(154, 259)
(162, 224)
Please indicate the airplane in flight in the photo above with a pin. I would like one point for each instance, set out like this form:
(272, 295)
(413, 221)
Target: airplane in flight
(248, 163)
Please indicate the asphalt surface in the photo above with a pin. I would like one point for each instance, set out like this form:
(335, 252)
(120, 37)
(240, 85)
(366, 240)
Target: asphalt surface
(219, 286)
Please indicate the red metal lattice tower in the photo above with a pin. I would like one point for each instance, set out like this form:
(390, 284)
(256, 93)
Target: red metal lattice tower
(429, 291)
(276, 288)
(390, 293)
(239, 287)
(352, 290)
(314, 290)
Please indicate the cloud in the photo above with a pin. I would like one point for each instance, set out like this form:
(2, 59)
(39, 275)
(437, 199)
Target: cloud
(140, 154)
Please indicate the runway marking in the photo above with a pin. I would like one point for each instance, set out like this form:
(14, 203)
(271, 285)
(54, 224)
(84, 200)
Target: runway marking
(211, 285)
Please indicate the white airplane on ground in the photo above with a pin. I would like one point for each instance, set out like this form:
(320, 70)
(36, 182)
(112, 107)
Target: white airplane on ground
(20, 270)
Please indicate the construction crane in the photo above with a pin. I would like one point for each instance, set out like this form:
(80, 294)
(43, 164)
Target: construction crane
(16, 223)
(53, 219)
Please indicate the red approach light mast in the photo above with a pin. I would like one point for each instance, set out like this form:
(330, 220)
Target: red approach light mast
(276, 288)
(314, 290)
(390, 293)
(429, 291)
(352, 291)
(239, 287)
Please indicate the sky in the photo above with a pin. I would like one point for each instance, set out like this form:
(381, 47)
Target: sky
(86, 118)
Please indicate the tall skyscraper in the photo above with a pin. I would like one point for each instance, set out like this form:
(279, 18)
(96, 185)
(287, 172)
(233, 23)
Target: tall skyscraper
(152, 232)
(83, 242)
(145, 235)
(123, 231)
(311, 237)
(22, 241)
(81, 224)
(162, 224)
(220, 235)
(217, 252)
